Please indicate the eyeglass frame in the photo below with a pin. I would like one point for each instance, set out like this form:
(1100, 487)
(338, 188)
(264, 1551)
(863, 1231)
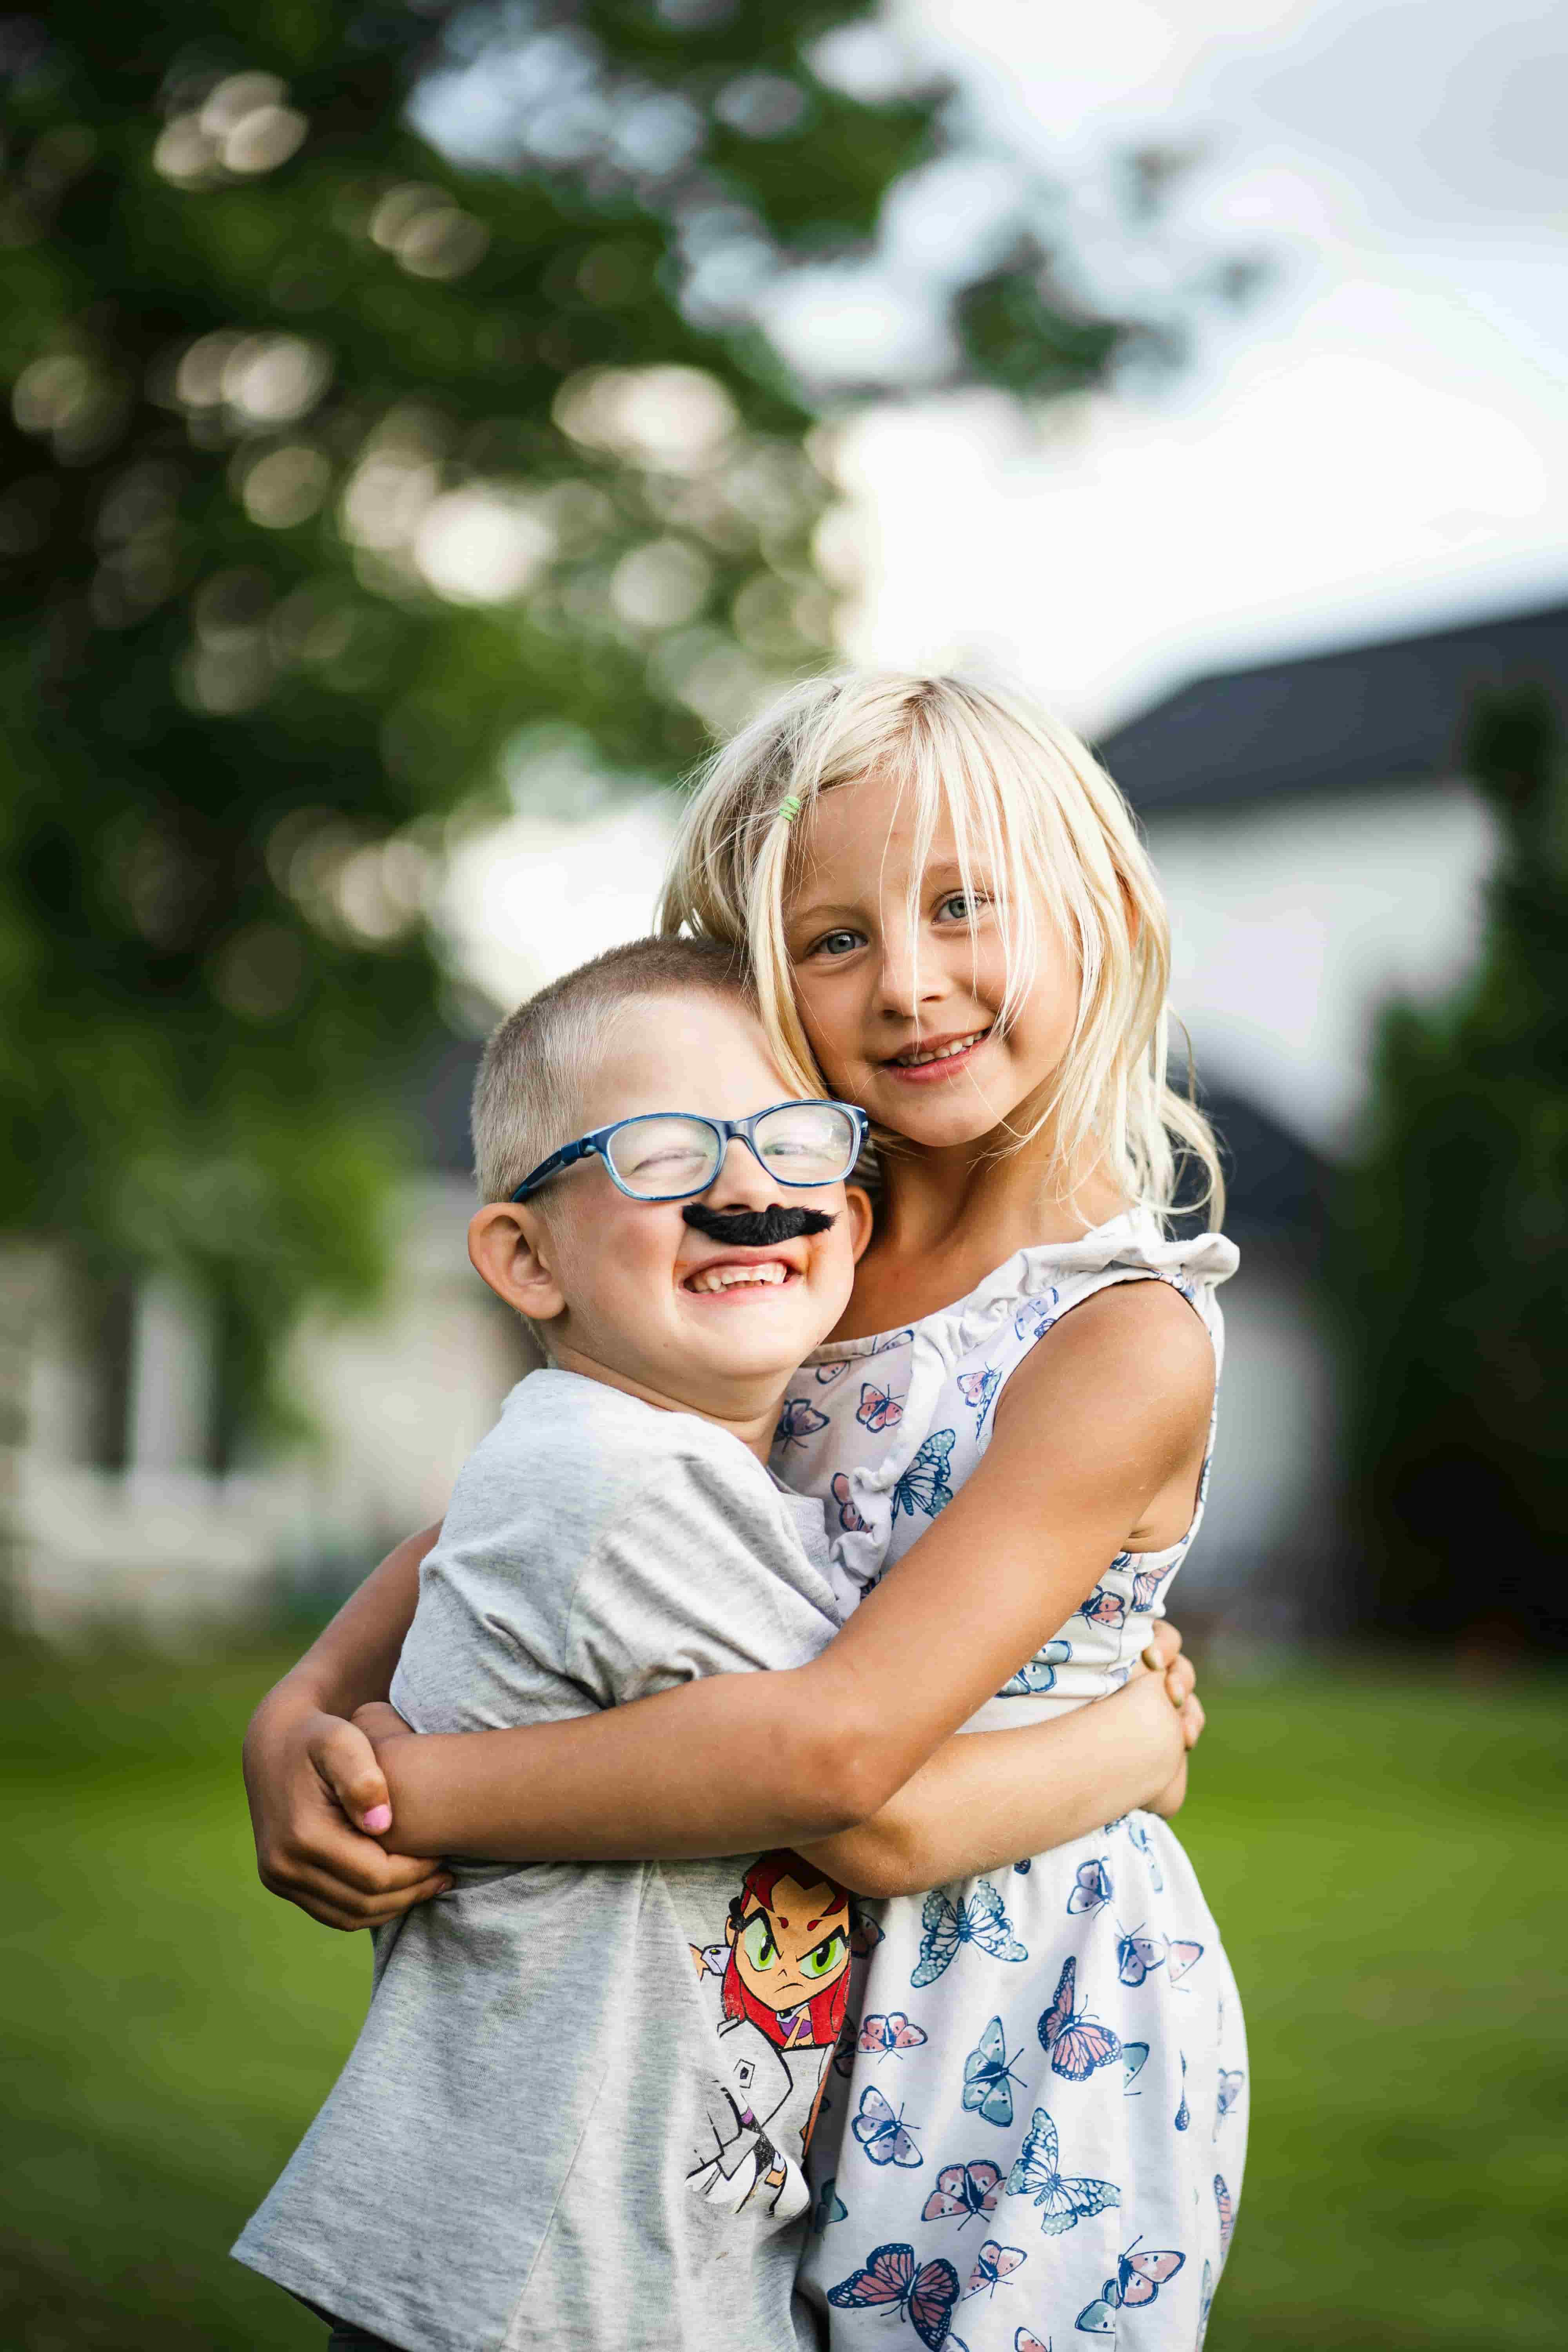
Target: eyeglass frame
(727, 1130)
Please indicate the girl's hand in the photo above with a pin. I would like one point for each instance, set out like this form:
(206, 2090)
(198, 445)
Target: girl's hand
(1180, 1677)
(379, 1720)
(318, 1801)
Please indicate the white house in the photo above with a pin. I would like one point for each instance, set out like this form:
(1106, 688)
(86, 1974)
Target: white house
(110, 1511)
(1323, 856)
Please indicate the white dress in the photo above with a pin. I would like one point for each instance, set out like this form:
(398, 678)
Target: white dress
(1035, 2127)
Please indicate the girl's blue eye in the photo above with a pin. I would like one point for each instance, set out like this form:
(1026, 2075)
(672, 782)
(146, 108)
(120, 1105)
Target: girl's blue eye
(836, 943)
(965, 906)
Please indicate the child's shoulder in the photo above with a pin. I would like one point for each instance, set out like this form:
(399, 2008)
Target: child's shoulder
(585, 1434)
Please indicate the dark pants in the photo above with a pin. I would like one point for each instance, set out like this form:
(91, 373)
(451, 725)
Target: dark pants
(344, 2338)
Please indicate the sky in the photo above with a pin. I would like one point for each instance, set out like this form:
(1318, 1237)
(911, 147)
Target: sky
(1373, 446)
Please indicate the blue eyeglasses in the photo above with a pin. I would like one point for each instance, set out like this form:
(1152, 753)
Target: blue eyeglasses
(674, 1155)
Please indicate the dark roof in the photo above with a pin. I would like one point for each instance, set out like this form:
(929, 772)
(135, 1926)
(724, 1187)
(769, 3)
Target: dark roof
(1391, 712)
(1276, 1185)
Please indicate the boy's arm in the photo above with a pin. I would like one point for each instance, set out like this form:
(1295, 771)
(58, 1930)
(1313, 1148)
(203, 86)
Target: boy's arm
(310, 1775)
(1109, 1410)
(987, 1798)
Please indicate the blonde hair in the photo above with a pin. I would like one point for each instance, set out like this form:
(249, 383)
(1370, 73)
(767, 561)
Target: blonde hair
(1030, 803)
(532, 1071)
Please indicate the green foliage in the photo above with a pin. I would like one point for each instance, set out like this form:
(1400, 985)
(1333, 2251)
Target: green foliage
(1384, 1854)
(1452, 1265)
(331, 465)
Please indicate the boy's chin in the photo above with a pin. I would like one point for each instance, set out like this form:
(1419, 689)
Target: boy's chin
(751, 1356)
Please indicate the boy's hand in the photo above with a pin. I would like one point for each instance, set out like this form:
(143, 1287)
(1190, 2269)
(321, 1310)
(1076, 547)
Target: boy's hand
(318, 1801)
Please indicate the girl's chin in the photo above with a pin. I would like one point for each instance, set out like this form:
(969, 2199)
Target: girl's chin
(945, 1115)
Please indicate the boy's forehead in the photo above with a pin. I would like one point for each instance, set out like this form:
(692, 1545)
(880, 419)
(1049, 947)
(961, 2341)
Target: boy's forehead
(697, 1050)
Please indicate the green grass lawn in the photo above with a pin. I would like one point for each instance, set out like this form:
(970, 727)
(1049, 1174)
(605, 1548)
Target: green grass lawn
(1386, 1858)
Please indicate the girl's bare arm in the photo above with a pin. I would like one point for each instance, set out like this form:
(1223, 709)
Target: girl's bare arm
(1108, 1410)
(310, 1775)
(986, 1798)
(989, 1797)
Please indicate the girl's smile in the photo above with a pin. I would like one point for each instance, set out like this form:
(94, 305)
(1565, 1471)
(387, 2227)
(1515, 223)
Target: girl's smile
(934, 1059)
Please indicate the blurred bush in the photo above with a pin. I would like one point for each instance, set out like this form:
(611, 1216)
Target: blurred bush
(1451, 1262)
(331, 466)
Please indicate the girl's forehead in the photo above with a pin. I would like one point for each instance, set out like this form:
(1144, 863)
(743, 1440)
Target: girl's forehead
(866, 837)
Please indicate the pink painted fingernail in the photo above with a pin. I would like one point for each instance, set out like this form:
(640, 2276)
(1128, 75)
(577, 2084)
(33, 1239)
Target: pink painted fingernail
(379, 1818)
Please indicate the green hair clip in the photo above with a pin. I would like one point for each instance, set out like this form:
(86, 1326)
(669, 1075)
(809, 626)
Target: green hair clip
(789, 807)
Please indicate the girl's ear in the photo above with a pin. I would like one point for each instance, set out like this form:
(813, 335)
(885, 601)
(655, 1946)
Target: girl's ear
(509, 1248)
(857, 1203)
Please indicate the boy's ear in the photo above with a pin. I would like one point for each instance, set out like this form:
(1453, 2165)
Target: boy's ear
(509, 1248)
(857, 1205)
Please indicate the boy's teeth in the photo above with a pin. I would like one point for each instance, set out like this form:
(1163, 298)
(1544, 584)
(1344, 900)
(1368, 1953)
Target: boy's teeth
(726, 1277)
(911, 1061)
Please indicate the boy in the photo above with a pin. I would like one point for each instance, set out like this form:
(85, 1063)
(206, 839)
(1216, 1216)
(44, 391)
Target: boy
(577, 2112)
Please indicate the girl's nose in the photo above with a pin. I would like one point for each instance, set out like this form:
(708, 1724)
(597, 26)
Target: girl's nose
(905, 979)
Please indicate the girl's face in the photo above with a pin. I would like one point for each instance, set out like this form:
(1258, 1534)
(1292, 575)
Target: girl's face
(903, 1018)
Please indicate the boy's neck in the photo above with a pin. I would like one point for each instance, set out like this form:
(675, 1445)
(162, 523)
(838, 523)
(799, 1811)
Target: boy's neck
(751, 1417)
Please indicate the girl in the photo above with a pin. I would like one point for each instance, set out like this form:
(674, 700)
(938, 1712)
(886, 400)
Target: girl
(952, 923)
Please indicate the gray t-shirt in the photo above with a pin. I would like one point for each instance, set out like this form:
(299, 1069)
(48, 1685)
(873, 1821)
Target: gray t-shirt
(573, 2117)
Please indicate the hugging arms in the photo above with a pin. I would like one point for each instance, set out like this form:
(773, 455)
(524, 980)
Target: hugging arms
(1097, 1442)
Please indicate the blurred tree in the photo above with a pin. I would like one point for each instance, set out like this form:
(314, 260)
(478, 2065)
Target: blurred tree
(1452, 1260)
(332, 467)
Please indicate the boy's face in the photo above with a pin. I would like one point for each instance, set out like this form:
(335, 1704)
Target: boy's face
(627, 1287)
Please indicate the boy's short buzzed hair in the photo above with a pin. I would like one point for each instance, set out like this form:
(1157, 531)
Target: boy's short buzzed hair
(535, 1063)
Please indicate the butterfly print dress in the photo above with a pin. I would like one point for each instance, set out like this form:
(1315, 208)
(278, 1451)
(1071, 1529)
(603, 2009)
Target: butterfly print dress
(1033, 2130)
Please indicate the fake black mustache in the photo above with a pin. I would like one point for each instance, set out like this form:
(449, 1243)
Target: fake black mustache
(754, 1228)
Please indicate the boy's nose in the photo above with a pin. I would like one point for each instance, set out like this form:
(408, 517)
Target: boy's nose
(742, 1182)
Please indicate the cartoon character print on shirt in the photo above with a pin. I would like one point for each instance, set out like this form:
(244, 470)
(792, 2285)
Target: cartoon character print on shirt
(782, 1970)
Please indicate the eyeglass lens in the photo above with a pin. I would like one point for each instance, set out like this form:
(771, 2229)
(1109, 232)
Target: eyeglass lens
(807, 1143)
(659, 1158)
(800, 1143)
